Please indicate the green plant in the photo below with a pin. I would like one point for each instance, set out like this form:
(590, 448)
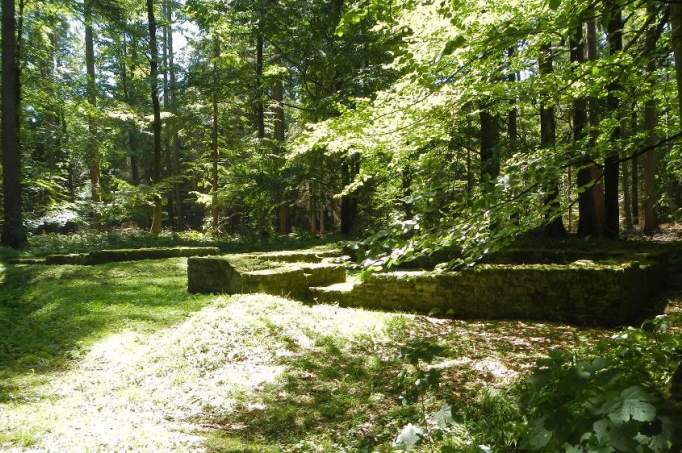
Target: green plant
(610, 399)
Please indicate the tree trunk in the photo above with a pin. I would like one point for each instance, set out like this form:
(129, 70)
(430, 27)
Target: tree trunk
(156, 106)
(513, 114)
(92, 152)
(280, 132)
(650, 120)
(596, 171)
(587, 219)
(490, 159)
(627, 196)
(611, 168)
(168, 155)
(13, 233)
(555, 226)
(634, 191)
(676, 24)
(260, 110)
(349, 203)
(180, 225)
(215, 210)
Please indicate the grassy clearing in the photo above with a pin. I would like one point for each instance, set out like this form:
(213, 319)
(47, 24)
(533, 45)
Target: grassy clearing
(119, 356)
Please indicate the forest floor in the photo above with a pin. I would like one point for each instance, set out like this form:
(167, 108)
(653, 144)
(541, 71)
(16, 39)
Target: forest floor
(120, 357)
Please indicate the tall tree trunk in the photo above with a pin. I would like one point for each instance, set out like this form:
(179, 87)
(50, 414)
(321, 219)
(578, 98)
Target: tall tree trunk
(168, 155)
(611, 168)
(627, 196)
(596, 171)
(587, 219)
(156, 106)
(92, 148)
(280, 132)
(180, 225)
(513, 114)
(130, 130)
(260, 110)
(635, 177)
(555, 226)
(650, 120)
(215, 210)
(676, 24)
(13, 233)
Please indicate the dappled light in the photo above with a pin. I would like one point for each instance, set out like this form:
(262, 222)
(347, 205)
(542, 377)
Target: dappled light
(339, 226)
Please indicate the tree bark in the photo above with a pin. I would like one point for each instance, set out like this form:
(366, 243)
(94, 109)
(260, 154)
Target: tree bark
(13, 233)
(596, 171)
(156, 106)
(490, 159)
(92, 151)
(676, 25)
(168, 155)
(611, 168)
(349, 203)
(215, 210)
(513, 114)
(650, 120)
(260, 110)
(634, 191)
(555, 226)
(280, 132)
(180, 225)
(587, 219)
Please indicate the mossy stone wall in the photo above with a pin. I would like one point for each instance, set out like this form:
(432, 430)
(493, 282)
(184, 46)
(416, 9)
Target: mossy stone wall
(111, 256)
(578, 293)
(223, 275)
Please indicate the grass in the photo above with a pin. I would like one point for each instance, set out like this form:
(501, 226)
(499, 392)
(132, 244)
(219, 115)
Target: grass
(119, 357)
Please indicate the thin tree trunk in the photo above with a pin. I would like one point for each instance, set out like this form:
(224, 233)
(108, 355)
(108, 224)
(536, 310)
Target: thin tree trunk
(512, 115)
(280, 128)
(180, 225)
(676, 24)
(650, 120)
(634, 190)
(555, 226)
(611, 169)
(215, 210)
(596, 171)
(13, 233)
(627, 200)
(260, 110)
(156, 106)
(170, 209)
(92, 148)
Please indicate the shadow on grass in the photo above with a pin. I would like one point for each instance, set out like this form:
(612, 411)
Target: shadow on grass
(50, 315)
(342, 392)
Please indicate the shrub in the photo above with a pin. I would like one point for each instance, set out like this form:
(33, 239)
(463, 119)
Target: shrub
(612, 398)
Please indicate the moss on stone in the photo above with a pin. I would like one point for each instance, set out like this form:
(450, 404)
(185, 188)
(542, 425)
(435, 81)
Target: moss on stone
(110, 256)
(612, 293)
(236, 274)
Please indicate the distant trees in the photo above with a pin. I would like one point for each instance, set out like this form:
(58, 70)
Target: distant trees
(340, 121)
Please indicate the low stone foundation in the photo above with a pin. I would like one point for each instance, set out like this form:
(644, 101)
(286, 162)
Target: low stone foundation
(111, 256)
(582, 292)
(224, 275)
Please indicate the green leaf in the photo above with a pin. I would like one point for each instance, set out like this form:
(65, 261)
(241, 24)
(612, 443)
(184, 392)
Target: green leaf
(554, 4)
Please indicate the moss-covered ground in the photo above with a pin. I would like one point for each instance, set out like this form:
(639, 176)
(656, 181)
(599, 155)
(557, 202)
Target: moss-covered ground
(119, 356)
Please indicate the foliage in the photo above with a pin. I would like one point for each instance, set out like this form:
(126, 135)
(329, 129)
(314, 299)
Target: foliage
(610, 398)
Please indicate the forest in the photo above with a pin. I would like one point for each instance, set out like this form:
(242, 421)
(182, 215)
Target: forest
(341, 225)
